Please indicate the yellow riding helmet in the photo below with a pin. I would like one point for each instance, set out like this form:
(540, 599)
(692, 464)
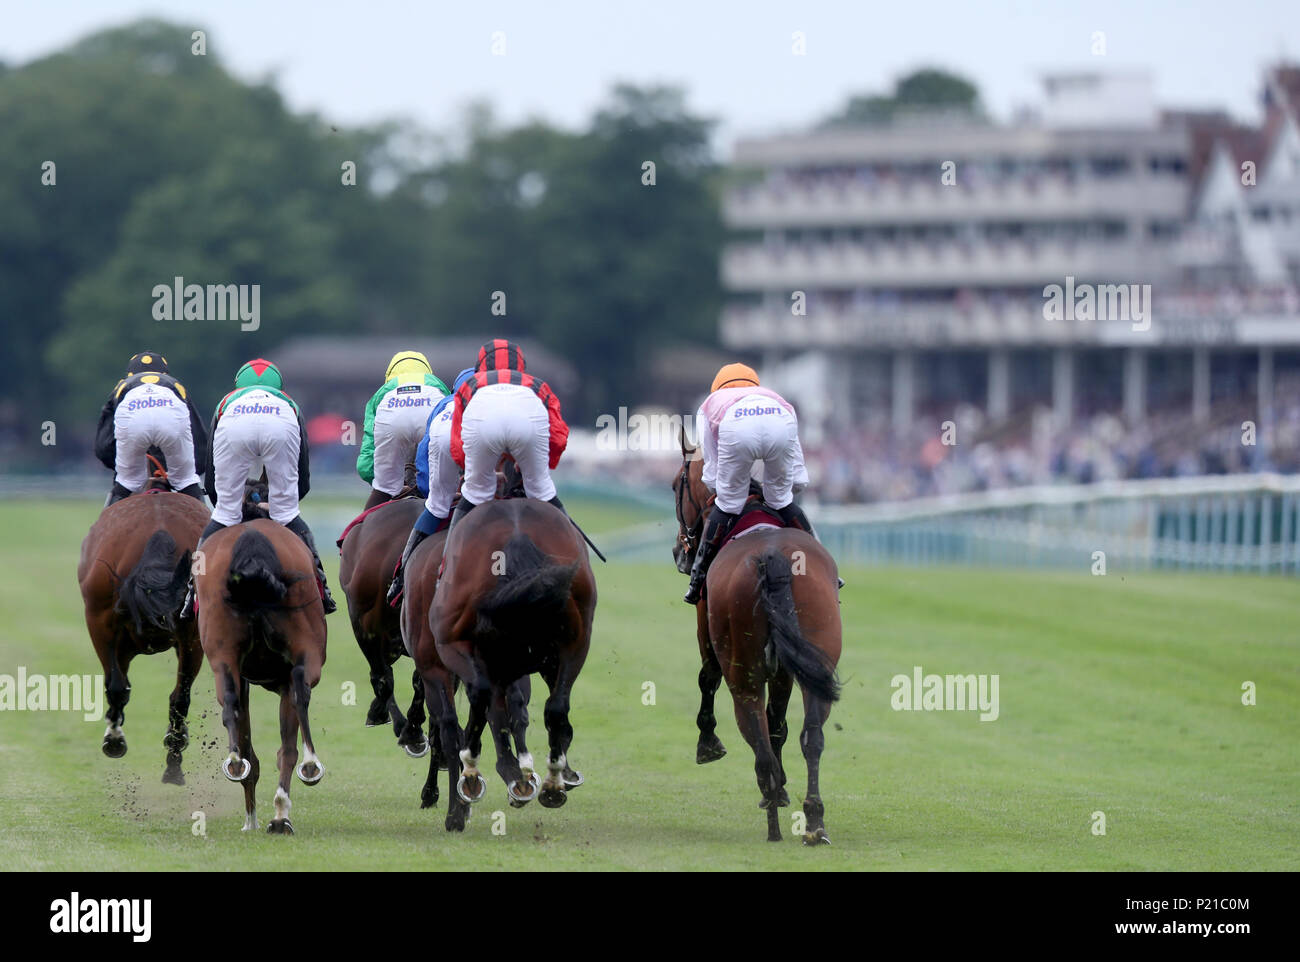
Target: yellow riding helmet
(734, 375)
(407, 362)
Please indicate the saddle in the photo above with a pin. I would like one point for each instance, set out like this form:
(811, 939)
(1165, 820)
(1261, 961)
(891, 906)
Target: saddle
(754, 514)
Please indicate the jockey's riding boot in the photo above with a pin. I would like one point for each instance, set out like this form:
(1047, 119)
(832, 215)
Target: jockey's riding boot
(376, 498)
(794, 517)
(299, 527)
(463, 507)
(555, 502)
(117, 494)
(194, 490)
(187, 606)
(715, 530)
(398, 586)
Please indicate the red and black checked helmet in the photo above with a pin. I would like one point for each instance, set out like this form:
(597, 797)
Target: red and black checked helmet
(499, 354)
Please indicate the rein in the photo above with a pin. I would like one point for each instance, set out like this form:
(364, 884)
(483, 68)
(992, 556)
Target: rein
(687, 537)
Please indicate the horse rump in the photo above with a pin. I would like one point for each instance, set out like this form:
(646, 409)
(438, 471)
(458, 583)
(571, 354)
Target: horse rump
(812, 669)
(530, 586)
(152, 592)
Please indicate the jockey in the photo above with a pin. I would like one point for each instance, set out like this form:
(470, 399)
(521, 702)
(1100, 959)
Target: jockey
(741, 422)
(396, 418)
(150, 407)
(257, 426)
(438, 475)
(502, 410)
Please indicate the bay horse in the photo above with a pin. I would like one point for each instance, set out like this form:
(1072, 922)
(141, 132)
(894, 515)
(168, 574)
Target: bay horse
(135, 562)
(517, 596)
(769, 617)
(369, 554)
(440, 684)
(261, 622)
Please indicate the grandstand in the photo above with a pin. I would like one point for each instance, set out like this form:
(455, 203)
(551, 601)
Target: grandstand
(894, 278)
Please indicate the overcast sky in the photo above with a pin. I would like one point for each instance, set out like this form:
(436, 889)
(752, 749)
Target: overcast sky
(362, 61)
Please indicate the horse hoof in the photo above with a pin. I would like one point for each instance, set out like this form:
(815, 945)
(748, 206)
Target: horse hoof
(471, 788)
(376, 718)
(114, 747)
(280, 826)
(819, 837)
(455, 822)
(710, 751)
(173, 775)
(227, 770)
(522, 795)
(552, 797)
(429, 796)
(309, 773)
(782, 800)
(571, 778)
(418, 751)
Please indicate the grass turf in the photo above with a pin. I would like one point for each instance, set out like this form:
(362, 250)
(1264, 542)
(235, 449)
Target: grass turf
(1119, 694)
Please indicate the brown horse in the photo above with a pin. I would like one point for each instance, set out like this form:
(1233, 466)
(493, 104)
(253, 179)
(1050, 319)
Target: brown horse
(261, 622)
(769, 617)
(517, 596)
(370, 552)
(134, 564)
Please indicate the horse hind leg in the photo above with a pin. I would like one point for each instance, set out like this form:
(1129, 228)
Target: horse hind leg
(517, 772)
(411, 737)
(560, 736)
(189, 659)
(312, 770)
(751, 718)
(471, 786)
(383, 707)
(236, 766)
(286, 759)
(709, 748)
(117, 693)
(254, 767)
(812, 741)
(779, 690)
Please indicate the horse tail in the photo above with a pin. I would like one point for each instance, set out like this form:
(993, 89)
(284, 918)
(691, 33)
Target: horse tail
(530, 587)
(812, 669)
(151, 593)
(255, 580)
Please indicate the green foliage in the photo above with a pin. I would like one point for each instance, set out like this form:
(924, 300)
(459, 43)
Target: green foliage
(920, 91)
(167, 165)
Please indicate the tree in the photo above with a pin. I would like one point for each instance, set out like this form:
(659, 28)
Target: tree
(925, 90)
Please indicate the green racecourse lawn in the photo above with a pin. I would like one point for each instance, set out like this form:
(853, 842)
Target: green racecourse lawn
(1119, 694)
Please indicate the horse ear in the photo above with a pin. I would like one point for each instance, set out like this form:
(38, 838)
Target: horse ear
(682, 432)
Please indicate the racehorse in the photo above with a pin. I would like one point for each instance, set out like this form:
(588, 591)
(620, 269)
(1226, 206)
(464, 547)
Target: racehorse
(439, 686)
(369, 553)
(261, 622)
(517, 596)
(134, 565)
(769, 617)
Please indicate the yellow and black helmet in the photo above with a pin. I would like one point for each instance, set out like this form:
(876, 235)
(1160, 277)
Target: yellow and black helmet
(146, 361)
(407, 362)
